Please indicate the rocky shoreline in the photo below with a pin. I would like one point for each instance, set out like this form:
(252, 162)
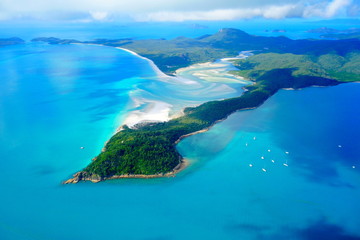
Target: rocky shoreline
(85, 176)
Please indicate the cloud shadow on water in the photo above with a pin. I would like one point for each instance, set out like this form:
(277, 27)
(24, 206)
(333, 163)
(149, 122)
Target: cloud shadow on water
(322, 230)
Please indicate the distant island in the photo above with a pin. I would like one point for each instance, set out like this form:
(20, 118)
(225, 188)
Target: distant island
(332, 33)
(280, 63)
(339, 36)
(277, 30)
(11, 41)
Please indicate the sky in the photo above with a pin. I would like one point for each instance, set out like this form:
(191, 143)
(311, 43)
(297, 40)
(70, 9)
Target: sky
(174, 10)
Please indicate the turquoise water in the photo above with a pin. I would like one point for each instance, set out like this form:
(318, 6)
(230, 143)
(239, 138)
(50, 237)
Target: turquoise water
(56, 99)
(315, 196)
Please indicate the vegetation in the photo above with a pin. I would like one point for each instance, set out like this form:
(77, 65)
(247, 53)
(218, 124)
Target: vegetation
(343, 35)
(170, 55)
(333, 31)
(343, 68)
(150, 149)
(52, 40)
(337, 34)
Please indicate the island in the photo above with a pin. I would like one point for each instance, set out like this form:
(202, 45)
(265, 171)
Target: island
(276, 31)
(342, 35)
(149, 150)
(331, 33)
(11, 41)
(326, 30)
(170, 55)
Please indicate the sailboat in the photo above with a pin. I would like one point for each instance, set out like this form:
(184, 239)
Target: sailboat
(286, 163)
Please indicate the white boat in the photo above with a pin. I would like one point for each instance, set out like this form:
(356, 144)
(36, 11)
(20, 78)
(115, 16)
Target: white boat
(269, 150)
(250, 165)
(262, 158)
(285, 164)
(287, 152)
(264, 170)
(273, 161)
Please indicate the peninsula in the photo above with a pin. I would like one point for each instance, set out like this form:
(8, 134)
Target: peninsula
(280, 63)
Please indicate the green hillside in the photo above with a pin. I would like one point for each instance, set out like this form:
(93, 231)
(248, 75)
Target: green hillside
(342, 68)
(170, 55)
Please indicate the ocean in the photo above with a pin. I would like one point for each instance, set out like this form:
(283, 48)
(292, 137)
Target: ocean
(287, 170)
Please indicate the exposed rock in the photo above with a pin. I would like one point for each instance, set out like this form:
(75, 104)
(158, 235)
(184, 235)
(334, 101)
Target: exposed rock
(83, 176)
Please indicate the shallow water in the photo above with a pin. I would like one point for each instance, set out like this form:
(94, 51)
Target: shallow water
(56, 99)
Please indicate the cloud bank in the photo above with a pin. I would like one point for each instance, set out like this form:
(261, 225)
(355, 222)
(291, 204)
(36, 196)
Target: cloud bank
(175, 10)
(291, 10)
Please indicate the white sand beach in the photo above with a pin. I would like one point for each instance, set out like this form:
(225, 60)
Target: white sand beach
(154, 111)
(217, 73)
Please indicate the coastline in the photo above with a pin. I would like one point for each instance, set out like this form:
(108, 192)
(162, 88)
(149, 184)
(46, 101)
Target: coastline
(152, 64)
(163, 76)
(253, 98)
(81, 177)
(183, 163)
(155, 111)
(217, 72)
(208, 128)
(160, 112)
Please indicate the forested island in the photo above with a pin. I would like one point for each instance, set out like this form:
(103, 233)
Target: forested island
(279, 63)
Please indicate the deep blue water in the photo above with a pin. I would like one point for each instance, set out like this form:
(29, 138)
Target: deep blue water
(55, 99)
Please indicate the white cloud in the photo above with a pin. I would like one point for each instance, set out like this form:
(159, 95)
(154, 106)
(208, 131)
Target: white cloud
(353, 10)
(99, 15)
(327, 9)
(221, 14)
(318, 9)
(174, 10)
(279, 12)
(335, 6)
